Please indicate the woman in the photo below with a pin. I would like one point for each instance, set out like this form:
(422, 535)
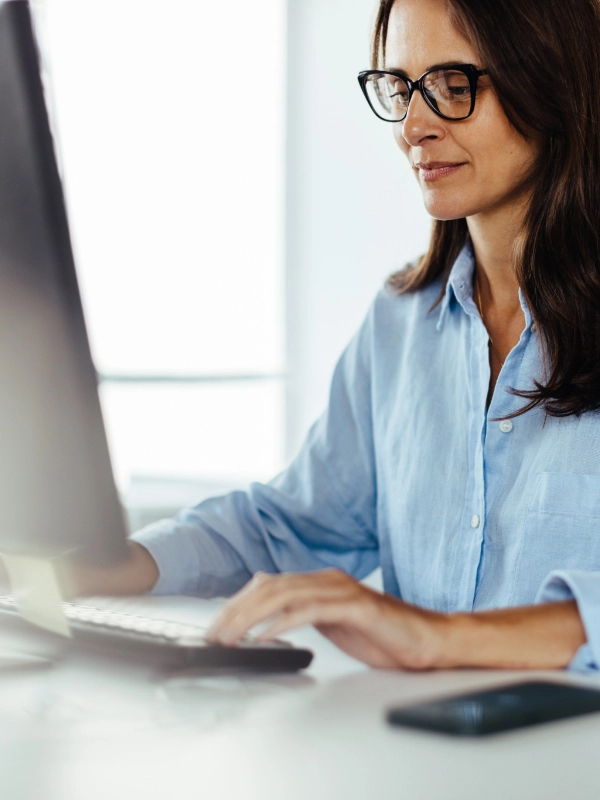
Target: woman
(461, 446)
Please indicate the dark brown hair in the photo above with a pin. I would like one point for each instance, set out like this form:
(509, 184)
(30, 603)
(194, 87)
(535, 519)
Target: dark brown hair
(543, 58)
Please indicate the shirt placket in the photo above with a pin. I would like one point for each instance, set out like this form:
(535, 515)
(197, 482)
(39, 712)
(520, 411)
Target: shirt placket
(489, 444)
(500, 433)
(470, 540)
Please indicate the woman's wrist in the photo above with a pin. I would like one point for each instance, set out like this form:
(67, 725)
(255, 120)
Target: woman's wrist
(530, 637)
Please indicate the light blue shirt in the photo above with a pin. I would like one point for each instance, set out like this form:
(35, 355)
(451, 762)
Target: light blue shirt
(408, 469)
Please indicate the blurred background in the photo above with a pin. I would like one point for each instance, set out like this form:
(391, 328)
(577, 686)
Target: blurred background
(234, 207)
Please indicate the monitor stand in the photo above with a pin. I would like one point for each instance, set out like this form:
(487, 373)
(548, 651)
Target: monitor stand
(35, 635)
(34, 586)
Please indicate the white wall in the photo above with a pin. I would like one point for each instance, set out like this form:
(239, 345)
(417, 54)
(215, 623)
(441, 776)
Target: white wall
(171, 123)
(354, 211)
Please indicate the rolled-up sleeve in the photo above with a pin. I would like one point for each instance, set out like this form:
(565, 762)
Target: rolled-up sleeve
(319, 512)
(584, 588)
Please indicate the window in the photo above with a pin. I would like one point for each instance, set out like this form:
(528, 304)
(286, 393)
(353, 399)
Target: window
(170, 121)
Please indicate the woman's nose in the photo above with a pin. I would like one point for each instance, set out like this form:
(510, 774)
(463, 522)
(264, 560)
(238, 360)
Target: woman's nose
(421, 122)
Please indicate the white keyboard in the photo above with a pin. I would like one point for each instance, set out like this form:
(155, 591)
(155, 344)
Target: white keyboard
(162, 641)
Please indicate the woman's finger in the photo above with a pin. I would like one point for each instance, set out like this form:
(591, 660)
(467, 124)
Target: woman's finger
(260, 598)
(270, 595)
(263, 608)
(312, 613)
(230, 608)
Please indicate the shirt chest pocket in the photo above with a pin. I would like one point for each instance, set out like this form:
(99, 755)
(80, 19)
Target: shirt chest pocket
(562, 528)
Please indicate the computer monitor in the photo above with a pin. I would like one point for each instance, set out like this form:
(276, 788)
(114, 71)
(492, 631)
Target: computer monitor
(57, 492)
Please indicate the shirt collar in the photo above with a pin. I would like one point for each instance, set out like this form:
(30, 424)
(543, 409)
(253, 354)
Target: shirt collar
(460, 282)
(526, 311)
(460, 287)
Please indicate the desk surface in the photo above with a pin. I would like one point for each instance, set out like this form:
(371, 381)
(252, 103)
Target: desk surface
(89, 730)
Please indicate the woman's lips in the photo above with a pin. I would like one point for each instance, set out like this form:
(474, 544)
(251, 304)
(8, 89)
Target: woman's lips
(437, 169)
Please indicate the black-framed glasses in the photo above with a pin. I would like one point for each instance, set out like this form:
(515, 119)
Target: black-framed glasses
(449, 91)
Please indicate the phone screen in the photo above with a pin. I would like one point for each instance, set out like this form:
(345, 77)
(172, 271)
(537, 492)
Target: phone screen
(501, 709)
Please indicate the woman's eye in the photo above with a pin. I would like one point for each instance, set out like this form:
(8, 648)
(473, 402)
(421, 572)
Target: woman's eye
(399, 97)
(396, 92)
(458, 91)
(449, 86)
(455, 85)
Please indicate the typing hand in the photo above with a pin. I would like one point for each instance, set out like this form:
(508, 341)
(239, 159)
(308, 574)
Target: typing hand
(375, 628)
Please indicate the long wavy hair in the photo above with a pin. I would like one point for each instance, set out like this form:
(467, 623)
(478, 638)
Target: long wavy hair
(543, 58)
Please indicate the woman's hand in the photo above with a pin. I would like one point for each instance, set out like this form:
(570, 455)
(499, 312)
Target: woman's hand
(375, 628)
(136, 575)
(385, 632)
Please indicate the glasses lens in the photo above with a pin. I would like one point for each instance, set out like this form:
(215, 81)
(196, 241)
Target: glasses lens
(449, 91)
(388, 94)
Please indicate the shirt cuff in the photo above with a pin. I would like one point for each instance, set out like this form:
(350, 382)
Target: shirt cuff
(176, 557)
(584, 588)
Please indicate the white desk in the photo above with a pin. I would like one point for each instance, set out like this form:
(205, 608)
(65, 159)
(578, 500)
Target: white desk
(88, 730)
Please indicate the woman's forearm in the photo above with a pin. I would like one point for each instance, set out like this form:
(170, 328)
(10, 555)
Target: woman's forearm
(529, 637)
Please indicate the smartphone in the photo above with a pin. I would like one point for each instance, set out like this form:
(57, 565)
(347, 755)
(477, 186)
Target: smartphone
(502, 709)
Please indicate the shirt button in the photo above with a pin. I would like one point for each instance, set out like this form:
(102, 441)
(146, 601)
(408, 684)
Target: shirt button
(506, 426)
(475, 521)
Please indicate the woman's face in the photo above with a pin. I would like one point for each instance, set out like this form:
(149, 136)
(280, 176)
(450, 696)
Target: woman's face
(466, 167)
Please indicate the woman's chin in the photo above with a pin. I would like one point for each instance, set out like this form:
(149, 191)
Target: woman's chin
(445, 211)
